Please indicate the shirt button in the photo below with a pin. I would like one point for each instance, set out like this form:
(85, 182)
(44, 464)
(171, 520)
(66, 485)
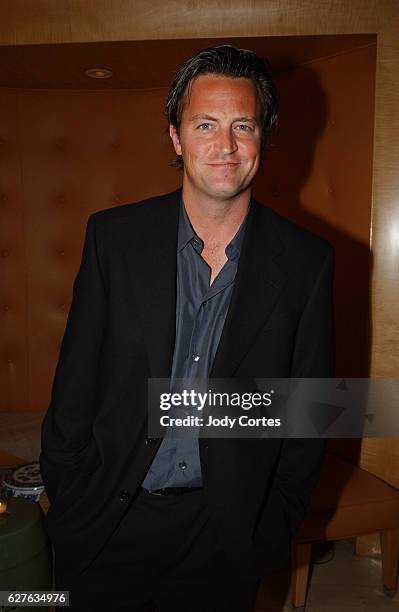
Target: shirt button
(182, 465)
(124, 496)
(196, 357)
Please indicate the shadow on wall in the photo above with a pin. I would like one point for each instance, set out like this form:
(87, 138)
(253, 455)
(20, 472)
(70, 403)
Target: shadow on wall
(314, 164)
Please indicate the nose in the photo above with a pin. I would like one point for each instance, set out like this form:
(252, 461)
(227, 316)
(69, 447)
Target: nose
(227, 142)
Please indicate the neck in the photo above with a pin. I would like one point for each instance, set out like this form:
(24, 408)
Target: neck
(215, 221)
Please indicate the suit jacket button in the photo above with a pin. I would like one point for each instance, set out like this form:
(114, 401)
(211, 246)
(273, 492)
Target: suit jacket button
(124, 495)
(150, 441)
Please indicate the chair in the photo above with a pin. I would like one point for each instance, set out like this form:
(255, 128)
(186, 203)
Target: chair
(347, 502)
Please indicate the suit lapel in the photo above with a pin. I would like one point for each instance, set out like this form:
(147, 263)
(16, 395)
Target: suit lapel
(258, 284)
(152, 266)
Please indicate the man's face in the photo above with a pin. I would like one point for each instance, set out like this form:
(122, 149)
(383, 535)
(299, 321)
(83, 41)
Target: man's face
(220, 136)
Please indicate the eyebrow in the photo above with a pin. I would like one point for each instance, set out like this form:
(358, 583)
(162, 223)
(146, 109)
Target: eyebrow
(210, 118)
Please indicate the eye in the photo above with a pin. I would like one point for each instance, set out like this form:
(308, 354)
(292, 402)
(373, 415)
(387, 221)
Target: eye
(204, 126)
(243, 127)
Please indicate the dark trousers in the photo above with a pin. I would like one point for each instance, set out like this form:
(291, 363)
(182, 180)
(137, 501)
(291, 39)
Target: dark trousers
(164, 556)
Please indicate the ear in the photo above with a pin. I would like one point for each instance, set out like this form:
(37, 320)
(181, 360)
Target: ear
(173, 133)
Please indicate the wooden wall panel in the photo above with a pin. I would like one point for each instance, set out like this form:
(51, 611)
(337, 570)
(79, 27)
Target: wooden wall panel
(14, 297)
(81, 152)
(44, 21)
(40, 21)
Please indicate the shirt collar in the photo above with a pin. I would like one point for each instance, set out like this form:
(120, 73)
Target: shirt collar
(186, 234)
(186, 230)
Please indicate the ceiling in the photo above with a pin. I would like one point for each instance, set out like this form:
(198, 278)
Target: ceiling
(149, 64)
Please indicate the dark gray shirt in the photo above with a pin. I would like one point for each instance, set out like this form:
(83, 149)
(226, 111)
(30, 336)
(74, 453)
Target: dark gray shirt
(201, 311)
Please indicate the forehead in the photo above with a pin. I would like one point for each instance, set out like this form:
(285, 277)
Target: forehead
(210, 92)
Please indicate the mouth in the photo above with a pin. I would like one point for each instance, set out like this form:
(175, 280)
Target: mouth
(224, 164)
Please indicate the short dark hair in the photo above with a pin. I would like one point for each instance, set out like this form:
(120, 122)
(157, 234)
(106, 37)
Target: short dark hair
(225, 60)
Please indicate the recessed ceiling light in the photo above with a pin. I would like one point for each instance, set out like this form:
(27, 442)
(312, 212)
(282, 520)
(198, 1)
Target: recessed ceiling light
(98, 73)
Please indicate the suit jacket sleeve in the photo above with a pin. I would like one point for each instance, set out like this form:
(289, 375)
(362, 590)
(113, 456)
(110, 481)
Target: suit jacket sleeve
(300, 460)
(67, 425)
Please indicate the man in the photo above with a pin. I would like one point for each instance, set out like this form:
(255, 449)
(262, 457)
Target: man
(202, 282)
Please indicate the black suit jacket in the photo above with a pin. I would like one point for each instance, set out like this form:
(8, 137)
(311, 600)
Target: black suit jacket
(120, 331)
